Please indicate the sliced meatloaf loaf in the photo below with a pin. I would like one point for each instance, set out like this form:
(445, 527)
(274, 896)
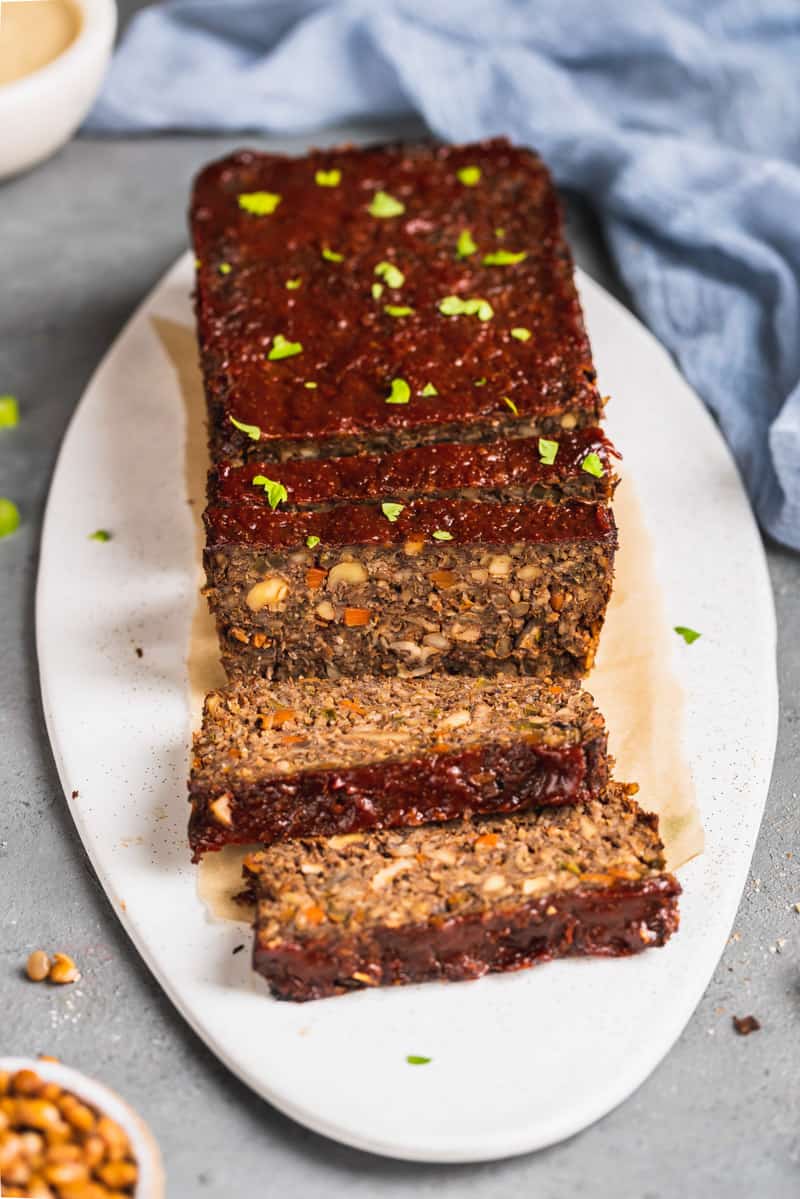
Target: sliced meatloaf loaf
(361, 299)
(456, 585)
(455, 901)
(579, 465)
(313, 757)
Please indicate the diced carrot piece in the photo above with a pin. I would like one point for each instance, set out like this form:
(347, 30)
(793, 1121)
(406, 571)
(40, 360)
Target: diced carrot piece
(353, 617)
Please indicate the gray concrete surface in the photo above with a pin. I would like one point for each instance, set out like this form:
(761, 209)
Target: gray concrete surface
(83, 238)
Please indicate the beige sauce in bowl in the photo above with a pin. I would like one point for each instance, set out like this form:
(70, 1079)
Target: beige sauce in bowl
(33, 33)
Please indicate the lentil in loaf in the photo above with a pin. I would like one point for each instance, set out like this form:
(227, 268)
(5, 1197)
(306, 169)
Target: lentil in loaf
(314, 757)
(456, 901)
(330, 284)
(453, 585)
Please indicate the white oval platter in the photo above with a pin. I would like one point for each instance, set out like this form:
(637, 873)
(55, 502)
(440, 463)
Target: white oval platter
(518, 1061)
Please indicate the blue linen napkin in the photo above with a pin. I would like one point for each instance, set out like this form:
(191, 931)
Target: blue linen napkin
(678, 119)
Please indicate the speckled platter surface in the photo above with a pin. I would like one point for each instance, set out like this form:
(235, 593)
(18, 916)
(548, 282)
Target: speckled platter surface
(518, 1061)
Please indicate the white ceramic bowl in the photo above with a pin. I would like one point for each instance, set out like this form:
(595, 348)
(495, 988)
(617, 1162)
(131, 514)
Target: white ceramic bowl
(41, 111)
(146, 1151)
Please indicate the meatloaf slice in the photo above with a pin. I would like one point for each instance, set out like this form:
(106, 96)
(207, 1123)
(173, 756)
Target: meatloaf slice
(460, 586)
(455, 901)
(312, 757)
(364, 299)
(579, 465)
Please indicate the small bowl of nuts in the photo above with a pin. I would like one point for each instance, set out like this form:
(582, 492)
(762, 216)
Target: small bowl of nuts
(66, 1136)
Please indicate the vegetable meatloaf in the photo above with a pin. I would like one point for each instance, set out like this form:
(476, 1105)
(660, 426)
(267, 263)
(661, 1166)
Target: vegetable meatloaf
(313, 758)
(455, 901)
(357, 300)
(455, 585)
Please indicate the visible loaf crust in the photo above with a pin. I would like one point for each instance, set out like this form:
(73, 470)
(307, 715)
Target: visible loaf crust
(315, 758)
(460, 900)
(469, 379)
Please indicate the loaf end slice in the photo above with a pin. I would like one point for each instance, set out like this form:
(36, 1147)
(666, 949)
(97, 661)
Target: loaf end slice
(317, 757)
(459, 900)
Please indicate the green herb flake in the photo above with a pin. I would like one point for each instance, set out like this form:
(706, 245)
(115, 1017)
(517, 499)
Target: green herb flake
(429, 390)
(9, 517)
(225, 268)
(689, 635)
(455, 306)
(416, 1059)
(198, 263)
(391, 275)
(330, 178)
(383, 205)
(252, 431)
(504, 257)
(465, 246)
(312, 541)
(499, 233)
(100, 535)
(511, 405)
(547, 451)
(469, 176)
(572, 867)
(592, 465)
(9, 412)
(259, 203)
(442, 535)
(377, 291)
(400, 392)
(480, 382)
(292, 284)
(520, 333)
(311, 385)
(392, 511)
(331, 255)
(275, 492)
(283, 348)
(398, 310)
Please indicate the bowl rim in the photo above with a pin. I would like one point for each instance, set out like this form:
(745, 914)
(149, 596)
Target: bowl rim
(98, 26)
(151, 1183)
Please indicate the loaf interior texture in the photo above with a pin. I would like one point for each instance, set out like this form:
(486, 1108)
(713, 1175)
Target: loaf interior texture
(455, 901)
(418, 294)
(315, 757)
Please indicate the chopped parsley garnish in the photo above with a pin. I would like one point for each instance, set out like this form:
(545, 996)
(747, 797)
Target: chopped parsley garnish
(442, 535)
(500, 233)
(398, 310)
(511, 405)
(480, 382)
(429, 390)
(400, 393)
(331, 255)
(689, 635)
(391, 275)
(311, 385)
(292, 284)
(392, 511)
(259, 203)
(100, 535)
(416, 1059)
(504, 257)
(9, 412)
(547, 451)
(312, 541)
(377, 291)
(275, 492)
(252, 431)
(469, 176)
(592, 465)
(9, 517)
(465, 245)
(455, 306)
(521, 333)
(330, 178)
(283, 348)
(384, 205)
(225, 268)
